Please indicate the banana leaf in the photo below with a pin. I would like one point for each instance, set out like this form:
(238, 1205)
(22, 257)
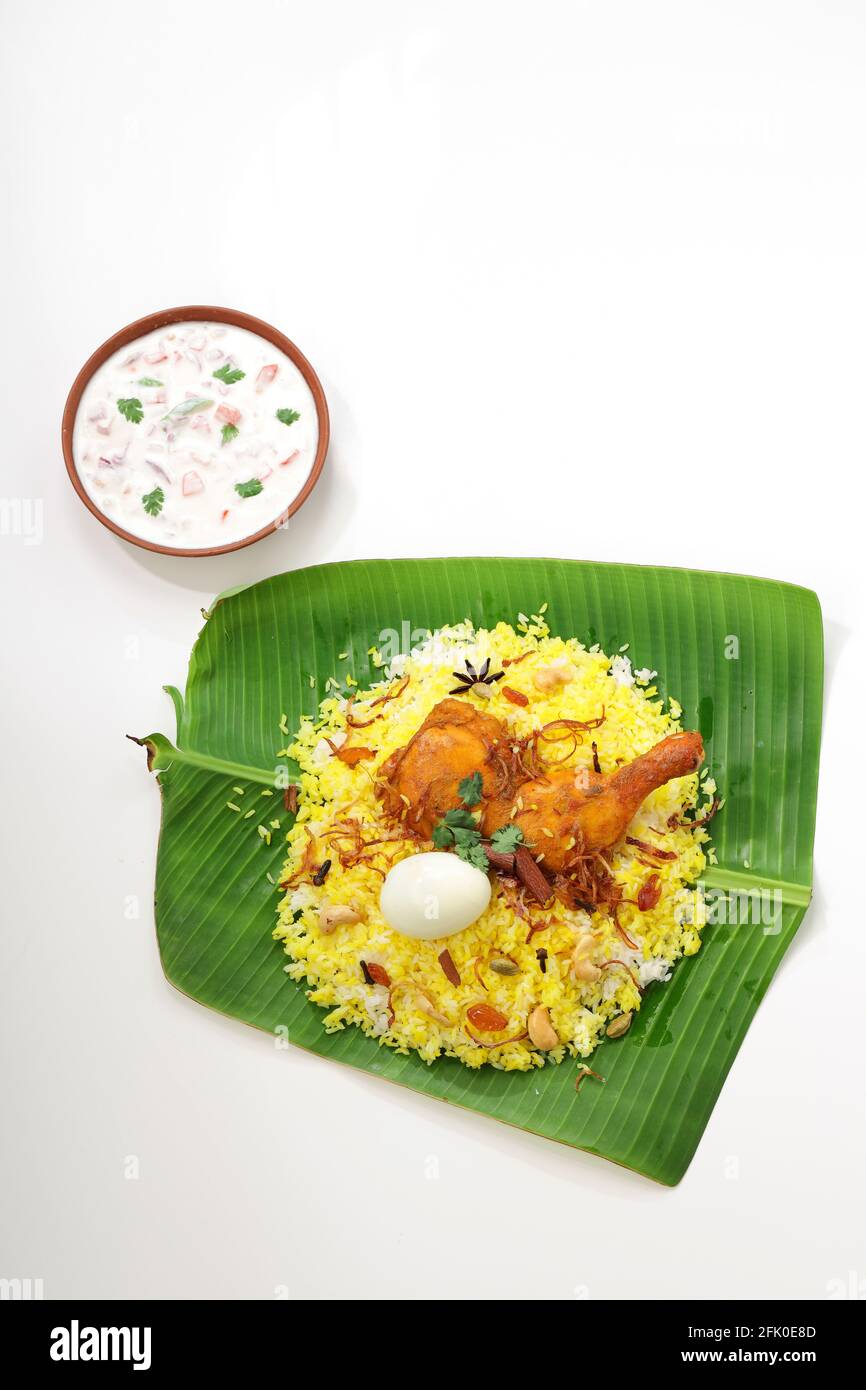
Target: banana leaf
(743, 656)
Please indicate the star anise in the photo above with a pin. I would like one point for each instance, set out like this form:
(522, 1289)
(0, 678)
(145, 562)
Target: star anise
(479, 682)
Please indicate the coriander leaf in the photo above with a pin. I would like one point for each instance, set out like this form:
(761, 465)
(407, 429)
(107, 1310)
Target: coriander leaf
(469, 790)
(459, 819)
(148, 381)
(153, 502)
(469, 847)
(250, 489)
(465, 839)
(229, 374)
(458, 829)
(474, 855)
(288, 417)
(229, 432)
(130, 409)
(506, 839)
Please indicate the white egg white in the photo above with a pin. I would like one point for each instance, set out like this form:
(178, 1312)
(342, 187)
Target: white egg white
(433, 895)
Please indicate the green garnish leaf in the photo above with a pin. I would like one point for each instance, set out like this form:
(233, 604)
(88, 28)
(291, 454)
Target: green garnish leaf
(464, 834)
(148, 381)
(469, 847)
(250, 489)
(229, 432)
(153, 502)
(469, 790)
(188, 407)
(474, 854)
(459, 819)
(288, 417)
(507, 839)
(130, 409)
(229, 374)
(443, 836)
(458, 830)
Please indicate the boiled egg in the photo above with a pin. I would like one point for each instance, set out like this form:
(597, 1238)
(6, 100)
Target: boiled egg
(434, 894)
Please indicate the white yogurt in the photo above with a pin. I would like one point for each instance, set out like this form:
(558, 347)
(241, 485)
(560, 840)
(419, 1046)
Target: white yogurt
(177, 448)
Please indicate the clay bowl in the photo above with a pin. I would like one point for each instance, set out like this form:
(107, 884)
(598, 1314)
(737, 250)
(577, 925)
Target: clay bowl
(187, 313)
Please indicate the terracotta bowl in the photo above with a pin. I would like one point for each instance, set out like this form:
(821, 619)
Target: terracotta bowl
(193, 313)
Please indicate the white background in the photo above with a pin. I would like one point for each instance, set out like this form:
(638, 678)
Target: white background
(582, 280)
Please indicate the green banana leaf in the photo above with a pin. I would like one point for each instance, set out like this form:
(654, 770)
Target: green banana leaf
(743, 656)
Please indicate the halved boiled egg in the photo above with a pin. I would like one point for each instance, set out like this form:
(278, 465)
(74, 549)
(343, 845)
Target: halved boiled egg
(433, 894)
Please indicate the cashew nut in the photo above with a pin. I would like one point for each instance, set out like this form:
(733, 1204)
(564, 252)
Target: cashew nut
(336, 915)
(582, 967)
(550, 678)
(541, 1030)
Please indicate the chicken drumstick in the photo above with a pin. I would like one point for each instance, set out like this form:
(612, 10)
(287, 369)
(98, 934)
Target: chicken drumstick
(588, 810)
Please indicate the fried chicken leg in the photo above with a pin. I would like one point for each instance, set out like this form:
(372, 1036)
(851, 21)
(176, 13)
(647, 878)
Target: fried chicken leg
(577, 808)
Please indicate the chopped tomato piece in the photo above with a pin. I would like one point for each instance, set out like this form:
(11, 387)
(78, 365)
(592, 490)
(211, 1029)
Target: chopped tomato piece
(292, 456)
(266, 376)
(228, 414)
(191, 484)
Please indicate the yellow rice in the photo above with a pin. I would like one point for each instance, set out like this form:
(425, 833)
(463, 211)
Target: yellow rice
(635, 719)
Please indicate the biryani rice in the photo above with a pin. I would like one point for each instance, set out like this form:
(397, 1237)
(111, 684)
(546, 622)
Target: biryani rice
(636, 718)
